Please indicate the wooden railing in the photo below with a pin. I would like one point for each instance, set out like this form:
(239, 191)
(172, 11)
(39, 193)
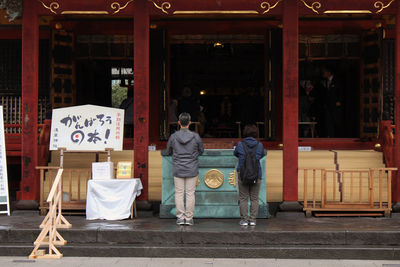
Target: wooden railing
(14, 141)
(49, 236)
(12, 111)
(357, 190)
(387, 142)
(73, 187)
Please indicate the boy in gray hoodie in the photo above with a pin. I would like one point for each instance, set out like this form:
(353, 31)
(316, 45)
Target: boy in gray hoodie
(185, 147)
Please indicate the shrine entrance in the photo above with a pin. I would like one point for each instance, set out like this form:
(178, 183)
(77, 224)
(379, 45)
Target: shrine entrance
(221, 83)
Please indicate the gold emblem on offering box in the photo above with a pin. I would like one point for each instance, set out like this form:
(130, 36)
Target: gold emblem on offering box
(213, 178)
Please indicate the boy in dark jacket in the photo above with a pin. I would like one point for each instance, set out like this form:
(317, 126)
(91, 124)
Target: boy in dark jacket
(185, 147)
(247, 191)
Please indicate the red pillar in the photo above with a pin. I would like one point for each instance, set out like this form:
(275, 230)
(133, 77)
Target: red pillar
(141, 93)
(290, 99)
(396, 179)
(29, 187)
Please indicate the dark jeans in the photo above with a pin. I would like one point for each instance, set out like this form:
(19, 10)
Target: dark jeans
(245, 192)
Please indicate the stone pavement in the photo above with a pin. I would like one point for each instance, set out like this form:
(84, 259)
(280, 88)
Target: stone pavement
(191, 262)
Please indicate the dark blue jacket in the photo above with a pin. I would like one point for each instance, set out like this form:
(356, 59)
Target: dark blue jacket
(240, 152)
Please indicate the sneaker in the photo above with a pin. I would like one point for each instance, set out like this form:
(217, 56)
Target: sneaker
(243, 223)
(189, 222)
(252, 223)
(180, 221)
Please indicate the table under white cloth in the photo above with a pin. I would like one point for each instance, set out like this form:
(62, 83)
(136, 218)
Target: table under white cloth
(111, 199)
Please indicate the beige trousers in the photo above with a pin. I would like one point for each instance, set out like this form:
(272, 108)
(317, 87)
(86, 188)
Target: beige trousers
(182, 185)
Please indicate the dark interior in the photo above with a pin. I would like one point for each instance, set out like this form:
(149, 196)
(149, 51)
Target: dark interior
(348, 71)
(225, 79)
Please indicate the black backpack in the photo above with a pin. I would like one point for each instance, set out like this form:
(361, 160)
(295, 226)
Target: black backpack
(249, 170)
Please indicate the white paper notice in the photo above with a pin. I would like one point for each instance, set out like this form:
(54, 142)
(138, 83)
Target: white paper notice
(87, 128)
(4, 197)
(102, 170)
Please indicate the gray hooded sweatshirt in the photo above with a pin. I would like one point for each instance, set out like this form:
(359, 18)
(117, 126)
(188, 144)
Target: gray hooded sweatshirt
(185, 147)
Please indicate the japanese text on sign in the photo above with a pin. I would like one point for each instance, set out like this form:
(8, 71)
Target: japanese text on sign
(87, 127)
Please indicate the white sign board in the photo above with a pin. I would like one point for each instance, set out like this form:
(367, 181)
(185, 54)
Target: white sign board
(87, 128)
(4, 198)
(305, 148)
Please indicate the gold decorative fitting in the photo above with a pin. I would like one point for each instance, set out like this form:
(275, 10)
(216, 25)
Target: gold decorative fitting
(267, 6)
(381, 6)
(213, 12)
(164, 6)
(117, 6)
(52, 7)
(347, 12)
(232, 178)
(58, 26)
(314, 6)
(84, 12)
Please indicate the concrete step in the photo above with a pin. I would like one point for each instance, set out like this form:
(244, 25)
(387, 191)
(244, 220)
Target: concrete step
(280, 237)
(202, 251)
(186, 236)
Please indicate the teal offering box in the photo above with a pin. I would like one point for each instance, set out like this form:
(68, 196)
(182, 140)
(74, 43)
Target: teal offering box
(217, 189)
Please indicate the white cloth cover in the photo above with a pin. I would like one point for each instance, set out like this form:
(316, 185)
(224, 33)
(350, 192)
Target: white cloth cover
(111, 199)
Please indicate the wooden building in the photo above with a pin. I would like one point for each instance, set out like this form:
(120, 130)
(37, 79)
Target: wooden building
(57, 53)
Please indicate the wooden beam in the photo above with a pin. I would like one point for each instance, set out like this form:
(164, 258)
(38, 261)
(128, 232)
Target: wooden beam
(141, 93)
(159, 8)
(323, 27)
(29, 187)
(212, 26)
(209, 8)
(396, 177)
(290, 99)
(16, 34)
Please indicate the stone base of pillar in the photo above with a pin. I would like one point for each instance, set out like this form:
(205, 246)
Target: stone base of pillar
(396, 207)
(143, 205)
(26, 205)
(291, 206)
(290, 215)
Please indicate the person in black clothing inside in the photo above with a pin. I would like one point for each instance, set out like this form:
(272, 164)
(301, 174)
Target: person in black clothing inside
(249, 107)
(333, 103)
(189, 105)
(307, 107)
